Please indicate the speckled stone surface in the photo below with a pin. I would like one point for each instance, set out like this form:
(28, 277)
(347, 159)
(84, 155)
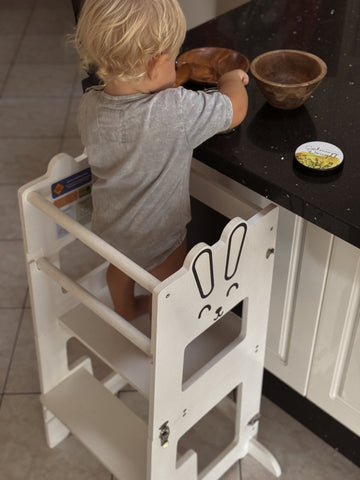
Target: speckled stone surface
(260, 153)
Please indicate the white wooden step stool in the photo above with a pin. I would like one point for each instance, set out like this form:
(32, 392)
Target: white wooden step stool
(198, 350)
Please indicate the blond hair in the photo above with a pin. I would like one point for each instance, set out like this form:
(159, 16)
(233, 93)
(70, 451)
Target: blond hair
(120, 37)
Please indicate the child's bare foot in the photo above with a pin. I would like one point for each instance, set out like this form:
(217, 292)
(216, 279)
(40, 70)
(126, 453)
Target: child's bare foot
(122, 292)
(122, 287)
(142, 305)
(133, 309)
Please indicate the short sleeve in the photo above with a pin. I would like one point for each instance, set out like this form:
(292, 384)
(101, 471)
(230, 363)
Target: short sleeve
(204, 114)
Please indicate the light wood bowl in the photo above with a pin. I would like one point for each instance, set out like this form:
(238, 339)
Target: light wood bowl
(206, 65)
(288, 77)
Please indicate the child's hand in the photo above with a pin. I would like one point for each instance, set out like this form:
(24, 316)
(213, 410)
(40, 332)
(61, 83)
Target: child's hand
(234, 75)
(233, 84)
(244, 77)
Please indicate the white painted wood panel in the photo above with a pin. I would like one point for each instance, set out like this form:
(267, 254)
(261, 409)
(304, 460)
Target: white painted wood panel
(335, 377)
(302, 261)
(77, 401)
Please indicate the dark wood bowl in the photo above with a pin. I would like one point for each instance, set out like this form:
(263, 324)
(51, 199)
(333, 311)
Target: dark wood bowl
(288, 77)
(206, 65)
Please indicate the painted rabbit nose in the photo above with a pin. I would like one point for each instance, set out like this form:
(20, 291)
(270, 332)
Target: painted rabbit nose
(219, 314)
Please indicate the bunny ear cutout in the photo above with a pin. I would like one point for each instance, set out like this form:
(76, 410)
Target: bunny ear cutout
(203, 270)
(200, 257)
(235, 241)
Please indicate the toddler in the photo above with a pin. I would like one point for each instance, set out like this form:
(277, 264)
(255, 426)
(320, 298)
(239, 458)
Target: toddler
(140, 131)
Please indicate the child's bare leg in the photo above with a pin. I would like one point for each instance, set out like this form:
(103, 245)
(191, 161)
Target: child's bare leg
(122, 287)
(171, 264)
(122, 293)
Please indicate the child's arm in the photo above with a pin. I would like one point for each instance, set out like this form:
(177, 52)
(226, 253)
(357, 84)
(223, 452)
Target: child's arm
(233, 84)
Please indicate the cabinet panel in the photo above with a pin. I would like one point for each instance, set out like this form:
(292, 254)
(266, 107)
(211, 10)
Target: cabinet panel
(288, 248)
(295, 316)
(335, 375)
(350, 391)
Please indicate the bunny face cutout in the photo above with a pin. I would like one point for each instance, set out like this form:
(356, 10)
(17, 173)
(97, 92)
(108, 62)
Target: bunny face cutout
(215, 271)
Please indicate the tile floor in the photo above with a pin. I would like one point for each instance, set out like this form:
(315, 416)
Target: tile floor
(39, 91)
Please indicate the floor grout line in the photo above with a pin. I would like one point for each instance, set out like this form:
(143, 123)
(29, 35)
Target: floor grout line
(14, 394)
(23, 309)
(70, 101)
(20, 239)
(41, 137)
(36, 97)
(16, 52)
(15, 308)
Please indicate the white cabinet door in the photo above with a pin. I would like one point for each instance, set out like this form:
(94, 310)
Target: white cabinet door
(335, 375)
(301, 266)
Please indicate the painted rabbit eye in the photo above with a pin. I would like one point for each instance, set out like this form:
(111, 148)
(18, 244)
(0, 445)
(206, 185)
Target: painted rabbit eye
(234, 285)
(207, 307)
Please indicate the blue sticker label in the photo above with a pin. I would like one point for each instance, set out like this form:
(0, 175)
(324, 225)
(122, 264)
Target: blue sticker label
(71, 183)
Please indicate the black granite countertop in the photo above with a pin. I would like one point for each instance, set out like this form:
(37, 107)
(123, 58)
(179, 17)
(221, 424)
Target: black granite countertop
(260, 152)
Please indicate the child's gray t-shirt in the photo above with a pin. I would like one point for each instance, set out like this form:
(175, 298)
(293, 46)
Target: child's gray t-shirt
(140, 148)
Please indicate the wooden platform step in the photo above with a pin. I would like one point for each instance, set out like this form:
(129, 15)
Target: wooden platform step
(110, 346)
(99, 419)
